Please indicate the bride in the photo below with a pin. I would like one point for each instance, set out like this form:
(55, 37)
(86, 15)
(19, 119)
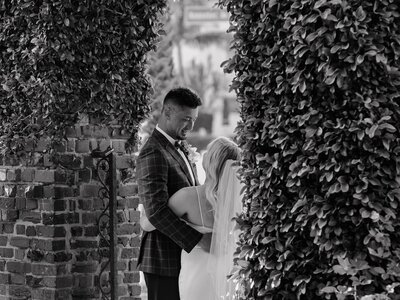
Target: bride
(209, 208)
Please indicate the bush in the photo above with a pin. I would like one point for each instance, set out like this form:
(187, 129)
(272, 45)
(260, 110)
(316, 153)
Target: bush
(62, 59)
(318, 83)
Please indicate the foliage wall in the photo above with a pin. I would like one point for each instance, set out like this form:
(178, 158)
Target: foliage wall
(318, 83)
(161, 71)
(62, 59)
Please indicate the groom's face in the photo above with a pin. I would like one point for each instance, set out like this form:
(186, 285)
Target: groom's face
(181, 120)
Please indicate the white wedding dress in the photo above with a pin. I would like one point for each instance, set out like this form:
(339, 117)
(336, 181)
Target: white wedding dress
(203, 275)
(194, 279)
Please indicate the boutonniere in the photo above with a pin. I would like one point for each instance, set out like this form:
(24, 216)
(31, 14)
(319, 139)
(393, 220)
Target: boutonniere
(191, 153)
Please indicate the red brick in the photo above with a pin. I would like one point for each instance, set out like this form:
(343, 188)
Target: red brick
(85, 267)
(85, 204)
(18, 267)
(28, 174)
(87, 130)
(124, 162)
(73, 131)
(88, 161)
(104, 144)
(31, 204)
(50, 245)
(33, 282)
(82, 146)
(131, 277)
(19, 254)
(6, 252)
(89, 218)
(71, 145)
(19, 291)
(7, 203)
(57, 219)
(3, 175)
(128, 253)
(38, 191)
(30, 216)
(135, 290)
(10, 215)
(84, 281)
(57, 282)
(51, 231)
(91, 231)
(85, 175)
(49, 269)
(20, 203)
(14, 175)
(3, 240)
(4, 278)
(98, 203)
(122, 290)
(100, 132)
(128, 190)
(51, 294)
(64, 192)
(20, 229)
(133, 202)
(135, 242)
(7, 227)
(57, 257)
(19, 242)
(89, 190)
(128, 229)
(122, 217)
(123, 240)
(118, 146)
(134, 216)
(86, 244)
(17, 278)
(76, 231)
(117, 132)
(44, 176)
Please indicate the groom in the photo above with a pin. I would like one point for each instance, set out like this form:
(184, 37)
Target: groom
(162, 169)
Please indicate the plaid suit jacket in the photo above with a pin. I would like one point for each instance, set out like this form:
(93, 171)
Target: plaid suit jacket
(160, 172)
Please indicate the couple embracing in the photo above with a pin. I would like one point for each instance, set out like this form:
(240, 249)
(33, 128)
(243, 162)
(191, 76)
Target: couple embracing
(180, 214)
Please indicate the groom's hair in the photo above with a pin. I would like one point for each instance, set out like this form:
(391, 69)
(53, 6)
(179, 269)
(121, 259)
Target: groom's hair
(182, 97)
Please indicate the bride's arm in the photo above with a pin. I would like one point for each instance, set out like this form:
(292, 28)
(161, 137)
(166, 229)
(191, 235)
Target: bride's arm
(145, 223)
(177, 204)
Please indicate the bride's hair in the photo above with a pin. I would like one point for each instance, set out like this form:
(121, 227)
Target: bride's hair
(218, 152)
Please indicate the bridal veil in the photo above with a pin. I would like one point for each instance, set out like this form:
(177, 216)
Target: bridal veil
(224, 238)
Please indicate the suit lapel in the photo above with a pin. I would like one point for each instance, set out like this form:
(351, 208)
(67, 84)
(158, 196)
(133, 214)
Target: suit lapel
(175, 154)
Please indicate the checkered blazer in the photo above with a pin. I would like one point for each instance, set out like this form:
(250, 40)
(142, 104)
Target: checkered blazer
(160, 172)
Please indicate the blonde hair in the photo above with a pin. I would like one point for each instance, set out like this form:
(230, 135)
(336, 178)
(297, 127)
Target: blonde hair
(218, 152)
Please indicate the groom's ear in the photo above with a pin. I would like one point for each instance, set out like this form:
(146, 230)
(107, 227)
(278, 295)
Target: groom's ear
(168, 111)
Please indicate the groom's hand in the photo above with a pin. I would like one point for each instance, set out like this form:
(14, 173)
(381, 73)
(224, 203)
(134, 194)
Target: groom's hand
(205, 242)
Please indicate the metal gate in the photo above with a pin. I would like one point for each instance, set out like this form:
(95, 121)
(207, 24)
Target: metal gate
(107, 223)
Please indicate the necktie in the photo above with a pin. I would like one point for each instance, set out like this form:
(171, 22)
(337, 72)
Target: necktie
(179, 145)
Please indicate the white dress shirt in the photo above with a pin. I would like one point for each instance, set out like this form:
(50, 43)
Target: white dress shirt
(185, 159)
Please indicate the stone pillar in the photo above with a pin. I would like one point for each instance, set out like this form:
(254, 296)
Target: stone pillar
(49, 240)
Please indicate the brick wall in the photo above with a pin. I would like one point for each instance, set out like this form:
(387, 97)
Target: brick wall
(49, 242)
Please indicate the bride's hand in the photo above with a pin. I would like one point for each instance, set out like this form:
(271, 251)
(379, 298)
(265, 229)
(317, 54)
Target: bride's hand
(205, 242)
(145, 223)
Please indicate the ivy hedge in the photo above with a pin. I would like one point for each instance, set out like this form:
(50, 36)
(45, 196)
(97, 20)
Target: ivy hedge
(319, 88)
(63, 59)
